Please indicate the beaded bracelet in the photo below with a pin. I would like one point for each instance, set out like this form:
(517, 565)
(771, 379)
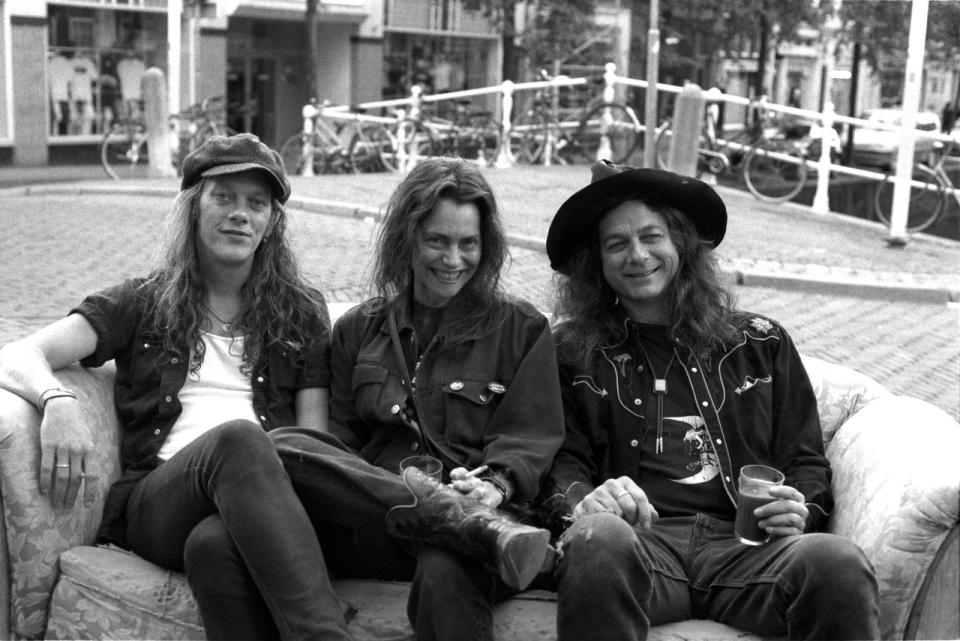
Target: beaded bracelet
(53, 392)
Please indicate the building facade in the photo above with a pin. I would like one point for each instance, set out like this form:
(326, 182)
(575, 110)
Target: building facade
(70, 68)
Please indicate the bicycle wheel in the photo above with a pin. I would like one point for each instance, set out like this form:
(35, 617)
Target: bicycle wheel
(123, 151)
(610, 130)
(528, 137)
(925, 202)
(373, 148)
(775, 173)
(478, 138)
(294, 152)
(418, 141)
(664, 138)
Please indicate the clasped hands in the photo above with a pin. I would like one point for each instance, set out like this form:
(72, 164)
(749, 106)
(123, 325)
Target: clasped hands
(785, 516)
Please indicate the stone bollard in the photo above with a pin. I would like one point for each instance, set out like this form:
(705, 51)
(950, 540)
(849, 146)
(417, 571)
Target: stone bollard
(687, 125)
(505, 157)
(156, 118)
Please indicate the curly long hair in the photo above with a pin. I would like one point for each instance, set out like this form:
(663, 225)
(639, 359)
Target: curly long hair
(700, 306)
(476, 308)
(278, 306)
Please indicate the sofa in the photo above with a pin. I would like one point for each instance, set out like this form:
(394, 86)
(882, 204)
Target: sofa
(896, 480)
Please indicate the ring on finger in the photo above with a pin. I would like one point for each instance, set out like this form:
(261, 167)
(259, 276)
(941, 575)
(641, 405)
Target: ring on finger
(624, 493)
(66, 465)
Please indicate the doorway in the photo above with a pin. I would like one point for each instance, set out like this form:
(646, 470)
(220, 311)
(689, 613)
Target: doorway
(251, 88)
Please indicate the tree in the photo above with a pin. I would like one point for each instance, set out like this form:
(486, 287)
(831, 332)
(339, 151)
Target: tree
(313, 46)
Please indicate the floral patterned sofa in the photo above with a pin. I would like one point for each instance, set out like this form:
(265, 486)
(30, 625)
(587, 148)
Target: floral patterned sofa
(897, 484)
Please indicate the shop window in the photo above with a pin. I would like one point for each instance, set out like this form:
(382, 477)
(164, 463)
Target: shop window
(95, 63)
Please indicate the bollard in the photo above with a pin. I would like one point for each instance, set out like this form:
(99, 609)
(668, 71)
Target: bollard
(821, 199)
(156, 119)
(505, 155)
(604, 150)
(309, 113)
(687, 124)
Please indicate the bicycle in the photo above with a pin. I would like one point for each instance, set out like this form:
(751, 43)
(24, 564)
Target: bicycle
(123, 149)
(612, 127)
(773, 159)
(320, 146)
(470, 133)
(928, 200)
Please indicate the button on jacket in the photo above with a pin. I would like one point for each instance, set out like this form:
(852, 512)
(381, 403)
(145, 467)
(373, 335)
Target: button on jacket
(755, 398)
(148, 382)
(494, 401)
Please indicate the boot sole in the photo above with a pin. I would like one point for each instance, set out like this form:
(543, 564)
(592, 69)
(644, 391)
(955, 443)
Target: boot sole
(522, 556)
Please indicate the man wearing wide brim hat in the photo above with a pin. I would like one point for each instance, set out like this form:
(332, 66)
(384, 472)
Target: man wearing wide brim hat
(668, 392)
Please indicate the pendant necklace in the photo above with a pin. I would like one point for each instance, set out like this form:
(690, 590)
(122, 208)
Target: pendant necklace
(659, 390)
(225, 325)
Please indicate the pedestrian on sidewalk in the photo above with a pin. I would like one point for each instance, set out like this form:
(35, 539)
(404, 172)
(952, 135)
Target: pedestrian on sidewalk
(223, 342)
(668, 391)
(438, 362)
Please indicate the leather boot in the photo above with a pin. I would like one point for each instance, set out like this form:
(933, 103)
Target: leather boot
(443, 517)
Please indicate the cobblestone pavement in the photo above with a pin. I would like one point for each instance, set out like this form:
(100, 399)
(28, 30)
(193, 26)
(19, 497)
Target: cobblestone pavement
(58, 247)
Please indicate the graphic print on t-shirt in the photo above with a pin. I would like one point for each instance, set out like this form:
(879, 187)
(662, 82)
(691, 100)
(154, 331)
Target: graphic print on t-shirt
(701, 460)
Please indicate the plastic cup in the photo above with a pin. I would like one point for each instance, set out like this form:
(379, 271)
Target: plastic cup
(755, 484)
(429, 465)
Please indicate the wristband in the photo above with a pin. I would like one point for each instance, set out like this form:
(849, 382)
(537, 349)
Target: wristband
(53, 392)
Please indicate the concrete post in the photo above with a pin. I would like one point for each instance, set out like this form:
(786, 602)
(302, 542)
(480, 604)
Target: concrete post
(821, 199)
(401, 141)
(504, 156)
(309, 113)
(604, 151)
(156, 117)
(687, 124)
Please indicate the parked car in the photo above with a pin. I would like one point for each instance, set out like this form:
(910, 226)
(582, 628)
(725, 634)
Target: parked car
(878, 147)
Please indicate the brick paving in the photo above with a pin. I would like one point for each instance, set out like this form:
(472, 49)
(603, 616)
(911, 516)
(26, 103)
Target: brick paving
(56, 247)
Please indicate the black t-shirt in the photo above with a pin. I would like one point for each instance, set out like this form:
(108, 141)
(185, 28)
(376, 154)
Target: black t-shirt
(681, 475)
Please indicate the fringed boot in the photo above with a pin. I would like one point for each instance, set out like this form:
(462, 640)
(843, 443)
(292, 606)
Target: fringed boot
(443, 517)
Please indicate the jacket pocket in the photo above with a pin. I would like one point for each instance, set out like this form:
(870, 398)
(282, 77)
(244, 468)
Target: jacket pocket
(469, 406)
(379, 396)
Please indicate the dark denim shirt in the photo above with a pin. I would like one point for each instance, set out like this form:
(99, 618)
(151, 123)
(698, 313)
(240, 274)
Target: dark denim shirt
(755, 398)
(495, 401)
(147, 384)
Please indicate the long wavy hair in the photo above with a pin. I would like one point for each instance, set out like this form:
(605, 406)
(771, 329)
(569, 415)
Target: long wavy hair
(278, 306)
(700, 306)
(477, 308)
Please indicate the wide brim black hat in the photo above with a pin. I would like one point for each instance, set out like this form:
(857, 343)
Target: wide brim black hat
(576, 220)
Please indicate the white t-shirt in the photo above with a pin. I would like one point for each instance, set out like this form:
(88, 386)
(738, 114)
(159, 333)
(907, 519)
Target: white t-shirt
(59, 73)
(130, 71)
(218, 393)
(81, 82)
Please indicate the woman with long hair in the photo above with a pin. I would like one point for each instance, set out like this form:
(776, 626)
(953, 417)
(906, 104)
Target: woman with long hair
(437, 362)
(222, 343)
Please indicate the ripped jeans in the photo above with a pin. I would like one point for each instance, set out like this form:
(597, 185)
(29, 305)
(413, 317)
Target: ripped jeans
(615, 581)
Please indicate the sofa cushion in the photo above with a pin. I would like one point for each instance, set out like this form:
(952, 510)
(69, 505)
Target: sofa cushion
(841, 392)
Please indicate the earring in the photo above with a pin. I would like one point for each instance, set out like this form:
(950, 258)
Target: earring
(616, 300)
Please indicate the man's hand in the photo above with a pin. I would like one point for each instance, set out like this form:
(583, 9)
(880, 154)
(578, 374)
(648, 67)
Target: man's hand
(65, 444)
(483, 491)
(621, 496)
(785, 516)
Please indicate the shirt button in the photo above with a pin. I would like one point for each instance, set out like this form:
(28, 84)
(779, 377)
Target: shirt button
(174, 360)
(167, 398)
(146, 346)
(156, 432)
(693, 369)
(719, 442)
(705, 404)
(456, 386)
(728, 478)
(263, 418)
(634, 443)
(414, 446)
(637, 401)
(259, 379)
(395, 409)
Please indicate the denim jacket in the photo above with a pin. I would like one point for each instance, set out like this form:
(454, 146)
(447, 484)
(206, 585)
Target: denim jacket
(494, 401)
(755, 398)
(148, 382)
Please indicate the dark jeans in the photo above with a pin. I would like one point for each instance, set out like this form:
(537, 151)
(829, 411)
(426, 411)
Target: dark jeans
(347, 500)
(614, 582)
(222, 509)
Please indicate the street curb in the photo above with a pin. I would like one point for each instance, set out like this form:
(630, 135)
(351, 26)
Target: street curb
(748, 277)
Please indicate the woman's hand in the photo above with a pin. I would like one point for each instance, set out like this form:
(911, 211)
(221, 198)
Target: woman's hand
(483, 491)
(66, 442)
(621, 496)
(785, 516)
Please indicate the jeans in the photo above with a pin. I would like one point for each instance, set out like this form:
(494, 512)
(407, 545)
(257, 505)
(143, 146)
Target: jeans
(347, 499)
(615, 581)
(222, 509)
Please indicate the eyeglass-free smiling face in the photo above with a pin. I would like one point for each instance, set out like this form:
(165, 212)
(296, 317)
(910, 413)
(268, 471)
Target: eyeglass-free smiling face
(639, 259)
(235, 215)
(448, 252)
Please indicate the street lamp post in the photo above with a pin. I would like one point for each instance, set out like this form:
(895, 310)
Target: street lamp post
(653, 66)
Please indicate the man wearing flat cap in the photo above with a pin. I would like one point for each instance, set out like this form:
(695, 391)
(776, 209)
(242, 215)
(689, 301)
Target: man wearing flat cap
(222, 342)
(668, 392)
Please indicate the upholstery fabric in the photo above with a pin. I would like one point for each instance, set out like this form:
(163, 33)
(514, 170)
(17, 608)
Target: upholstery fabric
(840, 391)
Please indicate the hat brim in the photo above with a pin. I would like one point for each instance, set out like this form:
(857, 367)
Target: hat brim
(577, 218)
(235, 168)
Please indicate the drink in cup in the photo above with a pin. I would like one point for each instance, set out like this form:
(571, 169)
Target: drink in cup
(429, 465)
(755, 484)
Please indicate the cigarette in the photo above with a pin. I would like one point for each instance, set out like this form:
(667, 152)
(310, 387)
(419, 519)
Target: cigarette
(474, 472)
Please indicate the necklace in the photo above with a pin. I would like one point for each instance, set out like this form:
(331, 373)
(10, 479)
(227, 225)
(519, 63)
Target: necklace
(225, 325)
(659, 390)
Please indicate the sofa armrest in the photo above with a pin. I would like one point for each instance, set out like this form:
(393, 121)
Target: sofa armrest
(34, 532)
(897, 490)
(841, 392)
